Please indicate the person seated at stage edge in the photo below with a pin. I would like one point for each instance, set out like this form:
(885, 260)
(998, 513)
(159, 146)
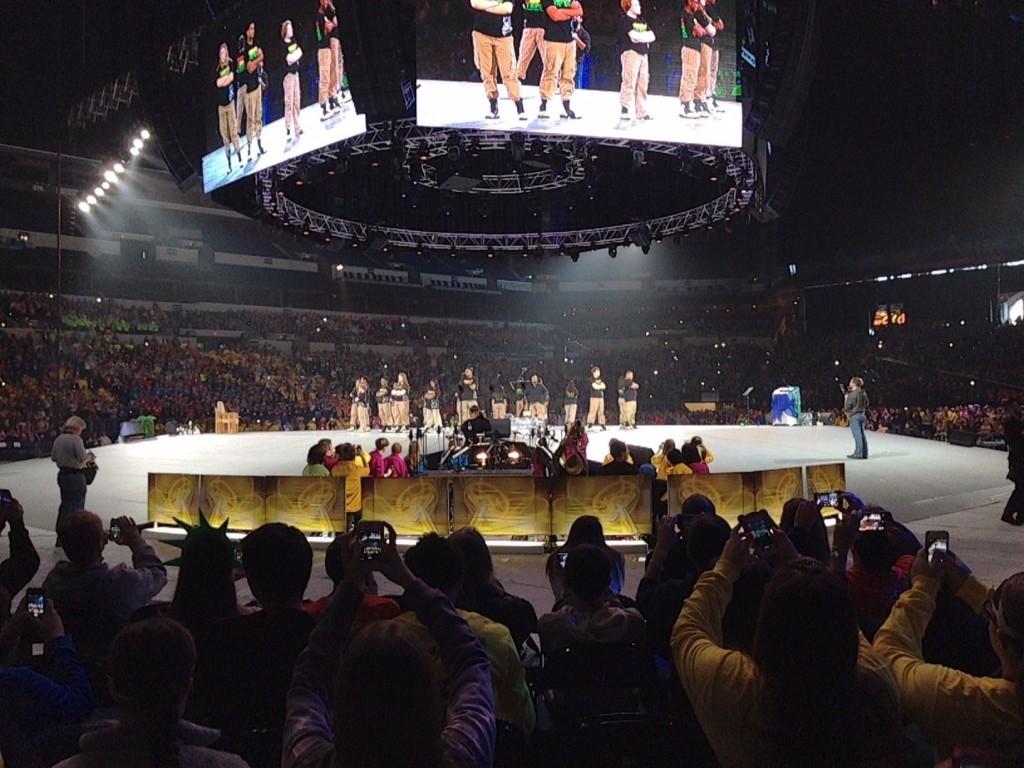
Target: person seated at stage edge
(476, 426)
(94, 599)
(621, 463)
(590, 613)
(439, 564)
(372, 608)
(371, 699)
(315, 458)
(245, 662)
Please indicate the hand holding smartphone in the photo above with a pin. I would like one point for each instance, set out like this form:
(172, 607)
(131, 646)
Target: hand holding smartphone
(758, 527)
(35, 602)
(370, 534)
(936, 543)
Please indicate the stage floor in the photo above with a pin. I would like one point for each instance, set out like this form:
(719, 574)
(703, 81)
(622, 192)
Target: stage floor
(444, 104)
(925, 484)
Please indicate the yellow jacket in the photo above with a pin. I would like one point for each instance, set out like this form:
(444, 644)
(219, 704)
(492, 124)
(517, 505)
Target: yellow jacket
(953, 708)
(353, 472)
(724, 687)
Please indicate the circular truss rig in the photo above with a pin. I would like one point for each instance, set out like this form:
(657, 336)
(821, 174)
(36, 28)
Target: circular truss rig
(420, 144)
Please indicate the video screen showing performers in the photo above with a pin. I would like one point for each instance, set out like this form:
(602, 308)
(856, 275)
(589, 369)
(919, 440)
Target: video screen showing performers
(277, 87)
(653, 70)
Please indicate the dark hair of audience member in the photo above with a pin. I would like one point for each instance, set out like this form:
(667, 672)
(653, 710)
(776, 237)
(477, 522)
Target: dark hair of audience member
(705, 540)
(788, 517)
(478, 578)
(278, 561)
(335, 567)
(585, 529)
(675, 456)
(806, 647)
(346, 452)
(690, 454)
(150, 667)
(588, 572)
(82, 537)
(875, 551)
(437, 562)
(381, 443)
(617, 449)
(698, 504)
(316, 454)
(205, 591)
(387, 709)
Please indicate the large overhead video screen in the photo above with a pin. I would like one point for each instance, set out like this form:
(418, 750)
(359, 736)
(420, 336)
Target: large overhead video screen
(276, 87)
(653, 70)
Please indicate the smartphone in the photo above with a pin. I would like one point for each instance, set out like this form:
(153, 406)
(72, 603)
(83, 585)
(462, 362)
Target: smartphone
(683, 522)
(371, 538)
(115, 532)
(6, 497)
(874, 521)
(35, 600)
(562, 557)
(758, 526)
(828, 499)
(936, 541)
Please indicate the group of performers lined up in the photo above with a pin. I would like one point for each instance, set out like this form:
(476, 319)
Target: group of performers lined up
(529, 397)
(554, 28)
(240, 83)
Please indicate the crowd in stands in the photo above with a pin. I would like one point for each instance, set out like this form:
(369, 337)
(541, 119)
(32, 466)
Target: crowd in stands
(786, 649)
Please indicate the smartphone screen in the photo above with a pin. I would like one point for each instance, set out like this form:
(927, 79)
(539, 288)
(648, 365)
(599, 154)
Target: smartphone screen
(35, 602)
(371, 539)
(873, 521)
(828, 499)
(758, 526)
(5, 497)
(562, 556)
(936, 541)
(115, 532)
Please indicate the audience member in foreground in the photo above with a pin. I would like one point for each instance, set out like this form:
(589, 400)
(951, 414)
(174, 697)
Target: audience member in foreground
(1013, 433)
(621, 462)
(315, 461)
(957, 710)
(585, 529)
(23, 562)
(373, 607)
(438, 563)
(812, 673)
(387, 710)
(94, 599)
(205, 590)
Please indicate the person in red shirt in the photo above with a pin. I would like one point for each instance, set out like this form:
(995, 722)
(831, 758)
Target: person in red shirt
(373, 607)
(395, 463)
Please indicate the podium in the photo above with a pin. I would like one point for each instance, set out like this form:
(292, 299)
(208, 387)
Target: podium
(786, 406)
(224, 422)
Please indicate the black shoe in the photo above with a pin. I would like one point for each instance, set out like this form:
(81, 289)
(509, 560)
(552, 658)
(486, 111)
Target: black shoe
(543, 111)
(568, 111)
(623, 113)
(521, 110)
(260, 145)
(493, 114)
(326, 115)
(1011, 520)
(604, 428)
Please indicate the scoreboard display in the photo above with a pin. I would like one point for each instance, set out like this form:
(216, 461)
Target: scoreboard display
(887, 315)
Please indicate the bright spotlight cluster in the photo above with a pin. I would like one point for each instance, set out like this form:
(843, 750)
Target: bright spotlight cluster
(111, 175)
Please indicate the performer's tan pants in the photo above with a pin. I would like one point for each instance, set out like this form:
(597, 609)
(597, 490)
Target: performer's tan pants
(539, 411)
(254, 106)
(327, 74)
(499, 410)
(384, 413)
(240, 107)
(493, 56)
(688, 80)
(627, 416)
(353, 417)
(520, 407)
(560, 66)
(713, 72)
(596, 413)
(431, 418)
(570, 414)
(532, 42)
(704, 71)
(464, 406)
(635, 77)
(363, 416)
(338, 62)
(400, 413)
(292, 102)
(228, 128)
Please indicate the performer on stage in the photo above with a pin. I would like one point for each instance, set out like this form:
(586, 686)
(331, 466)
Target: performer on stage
(253, 90)
(628, 389)
(224, 81)
(519, 398)
(572, 401)
(532, 40)
(241, 84)
(383, 398)
(327, 68)
(559, 55)
(635, 38)
(494, 51)
(692, 31)
(338, 62)
(856, 407)
(582, 38)
(432, 406)
(499, 402)
(537, 397)
(707, 75)
(360, 416)
(292, 90)
(595, 415)
(467, 394)
(1013, 434)
(400, 403)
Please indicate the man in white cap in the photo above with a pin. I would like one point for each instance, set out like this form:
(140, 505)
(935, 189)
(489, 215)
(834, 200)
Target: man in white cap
(70, 456)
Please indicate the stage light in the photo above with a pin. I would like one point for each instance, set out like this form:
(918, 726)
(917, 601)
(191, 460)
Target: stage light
(118, 168)
(90, 199)
(137, 143)
(99, 192)
(613, 251)
(514, 455)
(83, 206)
(23, 236)
(574, 256)
(482, 457)
(134, 152)
(110, 176)
(145, 134)
(105, 185)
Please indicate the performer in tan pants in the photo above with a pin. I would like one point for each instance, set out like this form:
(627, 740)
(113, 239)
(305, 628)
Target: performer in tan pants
(707, 76)
(537, 396)
(432, 406)
(292, 90)
(494, 51)
(595, 415)
(499, 403)
(383, 398)
(223, 79)
(328, 72)
(400, 403)
(572, 398)
(532, 40)
(467, 395)
(627, 404)
(559, 55)
(254, 90)
(692, 31)
(635, 37)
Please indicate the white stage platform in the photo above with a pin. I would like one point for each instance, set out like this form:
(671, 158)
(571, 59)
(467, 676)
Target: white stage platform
(445, 104)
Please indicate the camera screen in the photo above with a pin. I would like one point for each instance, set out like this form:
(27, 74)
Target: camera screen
(36, 603)
(872, 522)
(938, 545)
(827, 499)
(372, 542)
(759, 531)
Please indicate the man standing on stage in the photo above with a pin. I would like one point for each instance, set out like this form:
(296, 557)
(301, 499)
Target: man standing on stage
(292, 90)
(635, 38)
(241, 81)
(383, 397)
(537, 396)
(856, 408)
(224, 79)
(595, 415)
(253, 89)
(519, 398)
(707, 75)
(532, 40)
(432, 406)
(559, 54)
(628, 393)
(499, 402)
(1013, 434)
(360, 416)
(692, 32)
(338, 62)
(467, 394)
(494, 51)
(327, 70)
